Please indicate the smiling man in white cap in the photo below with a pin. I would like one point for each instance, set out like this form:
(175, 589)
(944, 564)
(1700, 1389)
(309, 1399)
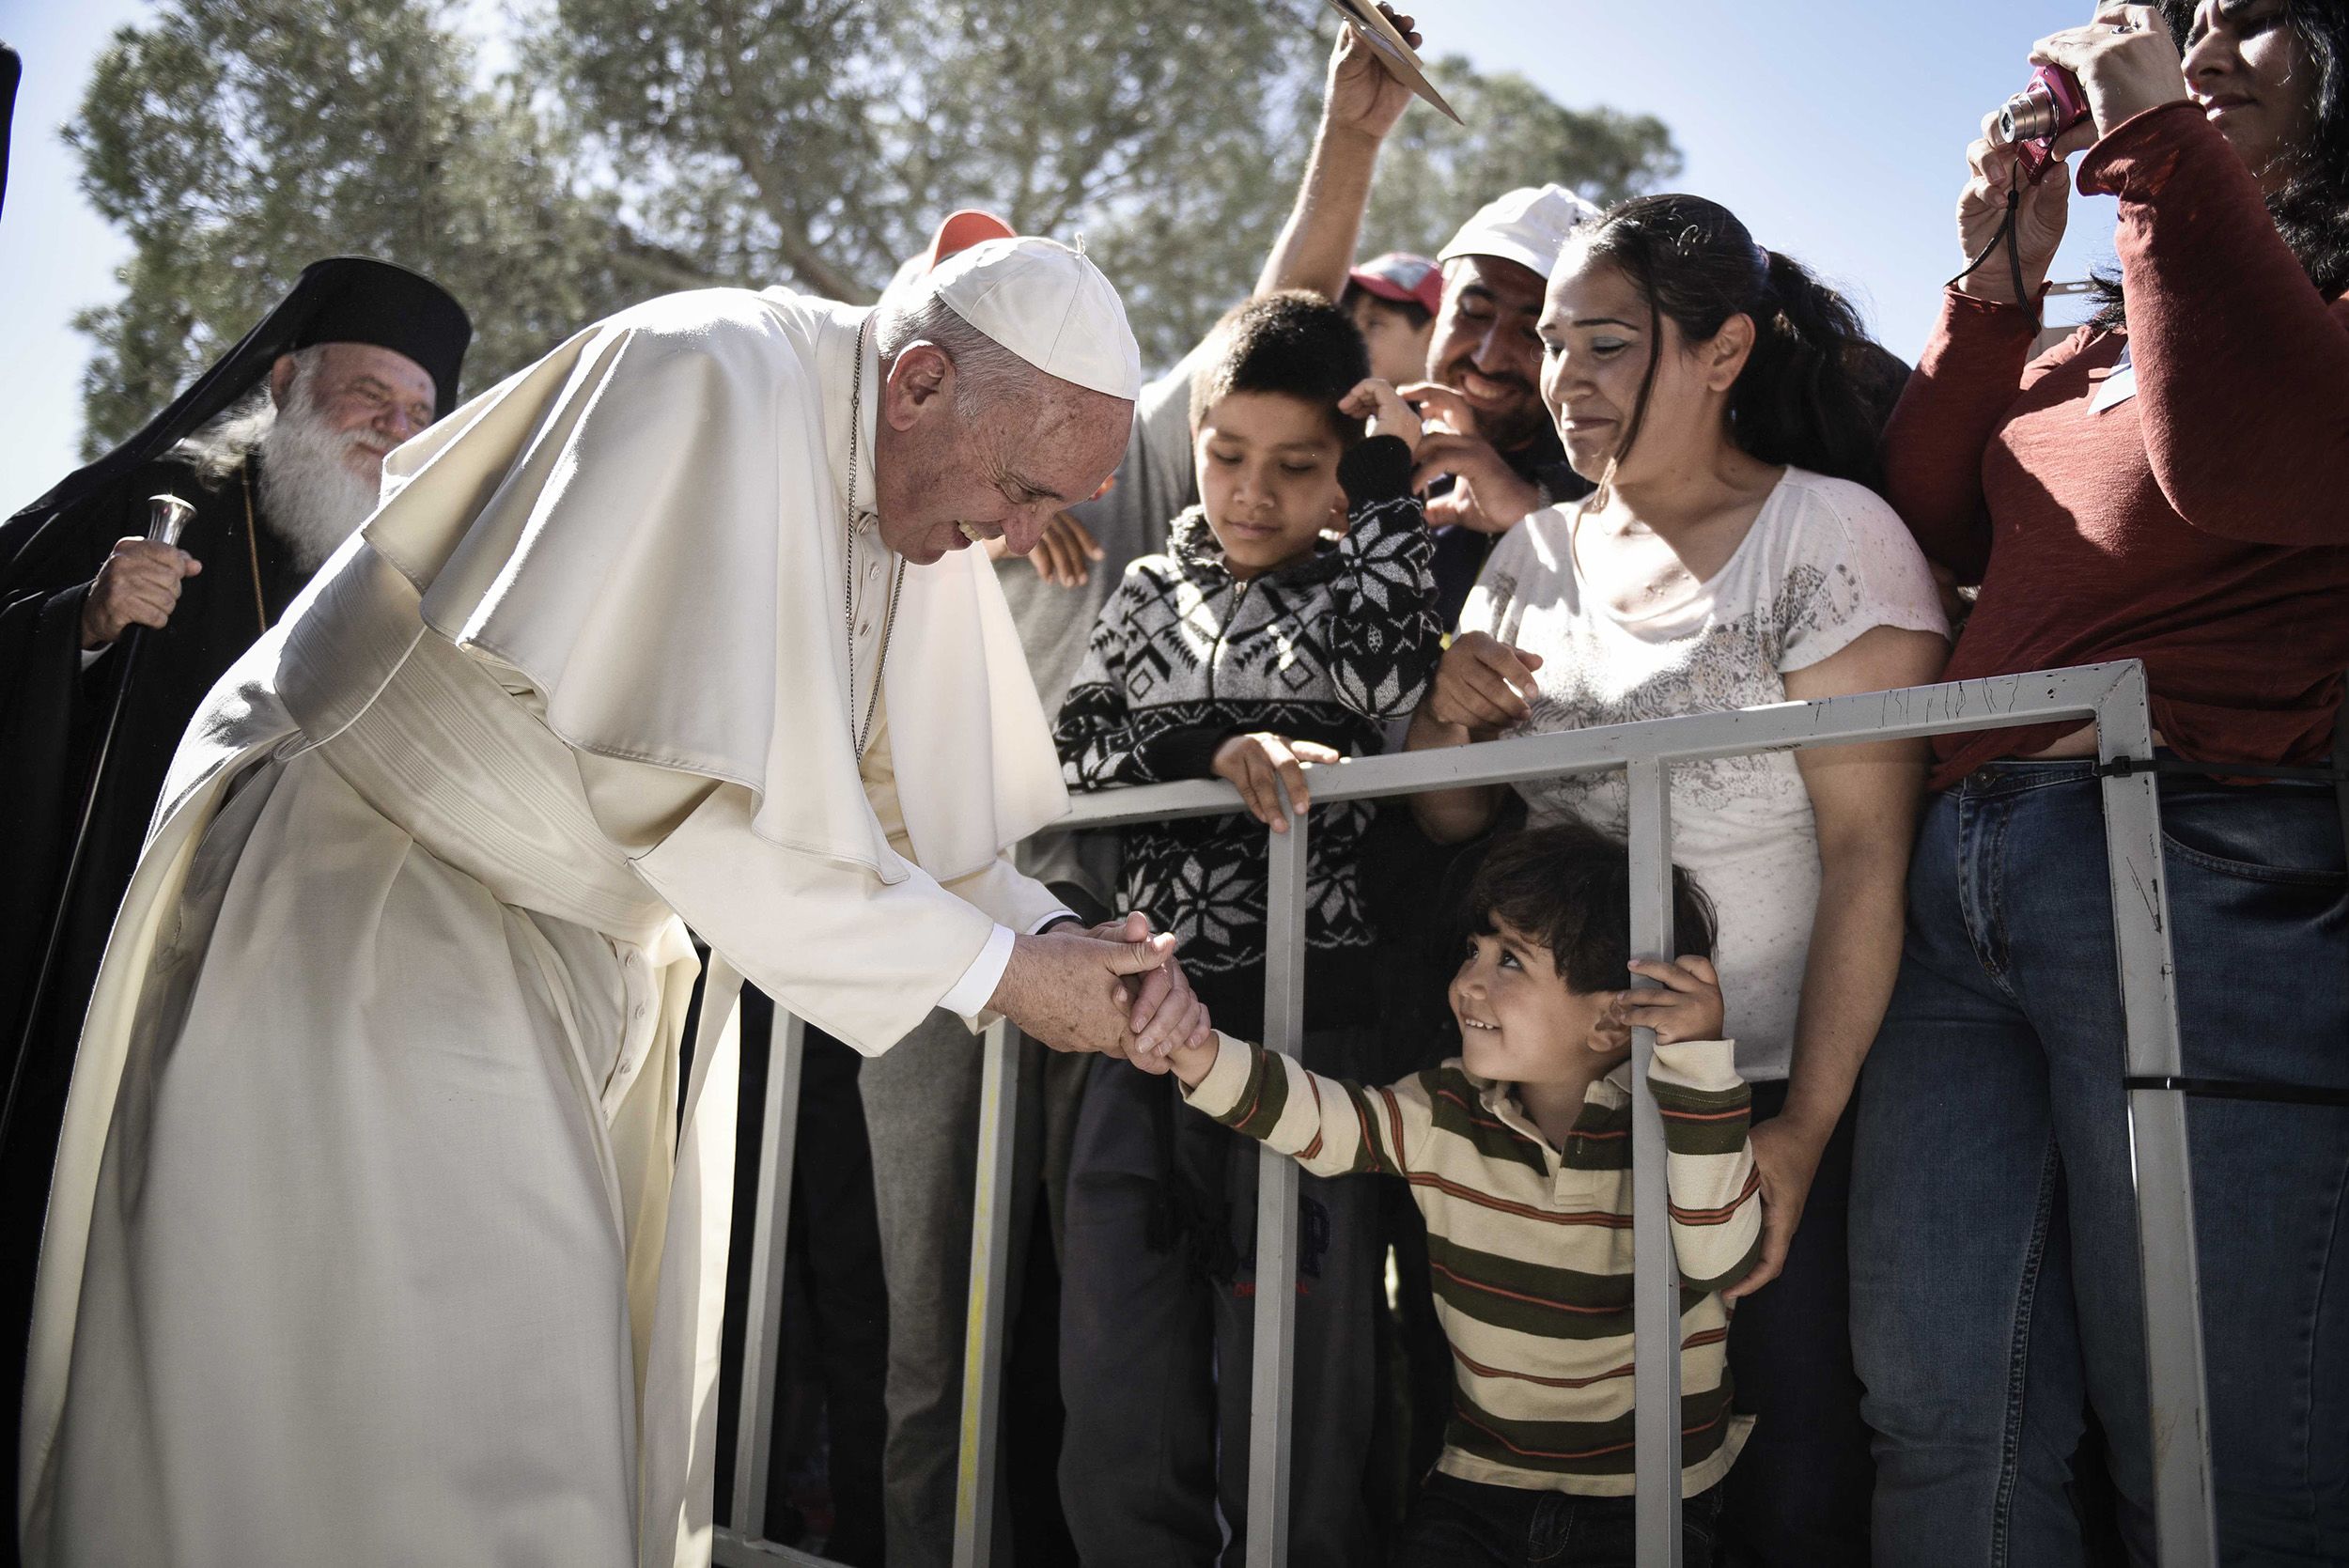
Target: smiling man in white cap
(389, 1221)
(1495, 439)
(1488, 433)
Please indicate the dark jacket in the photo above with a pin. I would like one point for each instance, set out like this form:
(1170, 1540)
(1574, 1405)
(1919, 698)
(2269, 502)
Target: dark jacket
(1185, 655)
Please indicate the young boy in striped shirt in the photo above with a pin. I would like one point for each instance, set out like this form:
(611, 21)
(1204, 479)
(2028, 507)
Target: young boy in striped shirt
(1518, 1153)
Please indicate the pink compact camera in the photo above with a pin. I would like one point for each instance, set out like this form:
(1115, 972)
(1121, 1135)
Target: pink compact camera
(2032, 119)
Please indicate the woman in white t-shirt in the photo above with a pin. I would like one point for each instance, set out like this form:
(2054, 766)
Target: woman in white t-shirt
(1727, 405)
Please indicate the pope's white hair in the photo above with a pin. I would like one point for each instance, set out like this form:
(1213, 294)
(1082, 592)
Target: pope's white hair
(985, 370)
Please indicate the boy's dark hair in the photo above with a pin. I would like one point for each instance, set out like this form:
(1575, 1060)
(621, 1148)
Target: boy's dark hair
(1411, 311)
(1294, 342)
(1568, 886)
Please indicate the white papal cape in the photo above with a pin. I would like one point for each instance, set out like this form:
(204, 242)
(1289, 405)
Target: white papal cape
(375, 1238)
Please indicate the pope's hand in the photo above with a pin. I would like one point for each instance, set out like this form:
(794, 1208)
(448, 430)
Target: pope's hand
(1164, 1014)
(1071, 990)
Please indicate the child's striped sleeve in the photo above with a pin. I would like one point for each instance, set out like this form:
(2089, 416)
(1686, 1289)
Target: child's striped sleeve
(1327, 1125)
(1708, 1164)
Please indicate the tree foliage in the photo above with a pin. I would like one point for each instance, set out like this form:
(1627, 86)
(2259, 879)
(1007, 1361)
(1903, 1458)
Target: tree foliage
(639, 146)
(237, 141)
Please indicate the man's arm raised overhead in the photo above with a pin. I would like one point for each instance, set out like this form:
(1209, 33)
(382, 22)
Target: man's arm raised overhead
(1360, 104)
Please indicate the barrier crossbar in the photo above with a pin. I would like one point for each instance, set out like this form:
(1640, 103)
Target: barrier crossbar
(2110, 696)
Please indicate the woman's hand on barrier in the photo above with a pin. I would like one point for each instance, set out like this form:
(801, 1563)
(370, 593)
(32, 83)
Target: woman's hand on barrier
(1259, 764)
(1484, 685)
(1991, 175)
(1787, 1157)
(2126, 63)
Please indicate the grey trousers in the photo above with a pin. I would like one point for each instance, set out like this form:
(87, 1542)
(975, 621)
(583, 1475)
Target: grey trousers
(922, 1109)
(1156, 1357)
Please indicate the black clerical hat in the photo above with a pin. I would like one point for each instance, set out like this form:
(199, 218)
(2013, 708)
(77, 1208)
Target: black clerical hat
(358, 301)
(349, 299)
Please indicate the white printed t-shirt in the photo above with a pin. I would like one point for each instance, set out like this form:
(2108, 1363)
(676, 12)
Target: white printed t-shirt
(1824, 561)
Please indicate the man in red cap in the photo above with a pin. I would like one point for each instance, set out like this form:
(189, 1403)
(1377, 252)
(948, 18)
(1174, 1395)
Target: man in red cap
(1393, 299)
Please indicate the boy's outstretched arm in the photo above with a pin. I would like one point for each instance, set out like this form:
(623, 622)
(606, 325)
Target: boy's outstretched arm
(1327, 1125)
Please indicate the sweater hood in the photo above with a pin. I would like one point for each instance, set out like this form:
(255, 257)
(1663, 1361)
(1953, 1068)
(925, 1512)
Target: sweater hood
(1199, 554)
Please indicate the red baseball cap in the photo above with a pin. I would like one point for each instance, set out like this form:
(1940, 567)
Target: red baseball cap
(1400, 276)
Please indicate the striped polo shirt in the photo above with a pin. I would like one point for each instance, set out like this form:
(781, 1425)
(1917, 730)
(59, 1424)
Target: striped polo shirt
(1531, 1246)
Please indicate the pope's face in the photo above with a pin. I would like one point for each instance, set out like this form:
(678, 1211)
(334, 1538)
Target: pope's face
(948, 476)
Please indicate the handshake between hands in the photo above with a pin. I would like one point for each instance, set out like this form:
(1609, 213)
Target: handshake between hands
(1115, 990)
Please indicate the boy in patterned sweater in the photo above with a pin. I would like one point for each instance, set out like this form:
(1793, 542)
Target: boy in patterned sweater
(1291, 619)
(1518, 1153)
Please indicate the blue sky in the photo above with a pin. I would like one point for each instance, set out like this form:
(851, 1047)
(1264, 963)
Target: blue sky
(1835, 127)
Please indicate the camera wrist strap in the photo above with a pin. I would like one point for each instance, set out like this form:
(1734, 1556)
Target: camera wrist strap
(2007, 237)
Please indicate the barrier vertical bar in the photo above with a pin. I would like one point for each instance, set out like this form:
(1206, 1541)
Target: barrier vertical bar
(989, 1302)
(1656, 1285)
(2184, 1520)
(770, 1225)
(1270, 1394)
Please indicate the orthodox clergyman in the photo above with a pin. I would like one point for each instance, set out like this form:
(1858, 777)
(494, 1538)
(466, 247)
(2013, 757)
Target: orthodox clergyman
(389, 1220)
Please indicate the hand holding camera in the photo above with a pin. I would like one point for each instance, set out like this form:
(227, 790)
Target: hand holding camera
(2116, 67)
(2087, 81)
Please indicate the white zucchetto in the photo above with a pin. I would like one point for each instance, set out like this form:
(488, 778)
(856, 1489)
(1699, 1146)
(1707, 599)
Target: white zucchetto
(1047, 304)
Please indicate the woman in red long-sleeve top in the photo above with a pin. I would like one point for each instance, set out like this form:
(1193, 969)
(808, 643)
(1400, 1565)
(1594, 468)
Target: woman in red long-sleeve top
(2172, 484)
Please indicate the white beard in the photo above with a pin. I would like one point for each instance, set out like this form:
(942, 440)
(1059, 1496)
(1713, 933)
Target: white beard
(309, 498)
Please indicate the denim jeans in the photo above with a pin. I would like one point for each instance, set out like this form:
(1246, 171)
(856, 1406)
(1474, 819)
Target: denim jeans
(1995, 1278)
(1467, 1524)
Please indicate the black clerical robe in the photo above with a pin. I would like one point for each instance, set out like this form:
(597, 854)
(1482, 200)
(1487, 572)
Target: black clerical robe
(53, 710)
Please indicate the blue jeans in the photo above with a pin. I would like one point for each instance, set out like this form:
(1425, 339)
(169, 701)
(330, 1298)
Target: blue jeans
(1468, 1524)
(1995, 1281)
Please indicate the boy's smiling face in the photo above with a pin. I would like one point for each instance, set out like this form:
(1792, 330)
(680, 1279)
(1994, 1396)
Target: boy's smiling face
(1520, 1022)
(1269, 477)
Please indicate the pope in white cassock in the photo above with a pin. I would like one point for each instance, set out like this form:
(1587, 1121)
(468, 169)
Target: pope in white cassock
(375, 1237)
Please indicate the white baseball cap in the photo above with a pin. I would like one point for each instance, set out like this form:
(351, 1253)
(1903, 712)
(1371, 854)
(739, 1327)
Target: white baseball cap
(1528, 226)
(1048, 305)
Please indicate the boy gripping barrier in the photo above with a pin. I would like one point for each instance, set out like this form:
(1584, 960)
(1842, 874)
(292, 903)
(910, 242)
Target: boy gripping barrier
(2112, 696)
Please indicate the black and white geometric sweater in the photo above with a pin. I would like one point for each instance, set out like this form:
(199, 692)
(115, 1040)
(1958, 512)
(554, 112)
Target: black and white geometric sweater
(1185, 656)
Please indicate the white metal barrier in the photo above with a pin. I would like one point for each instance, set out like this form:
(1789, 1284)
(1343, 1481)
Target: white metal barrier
(2111, 696)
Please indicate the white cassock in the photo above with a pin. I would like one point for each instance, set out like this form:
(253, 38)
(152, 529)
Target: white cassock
(375, 1239)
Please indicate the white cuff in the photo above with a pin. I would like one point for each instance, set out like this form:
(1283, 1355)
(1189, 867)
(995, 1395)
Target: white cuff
(971, 994)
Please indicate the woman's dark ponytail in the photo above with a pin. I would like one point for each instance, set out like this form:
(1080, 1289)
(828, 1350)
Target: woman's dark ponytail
(1800, 399)
(1815, 392)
